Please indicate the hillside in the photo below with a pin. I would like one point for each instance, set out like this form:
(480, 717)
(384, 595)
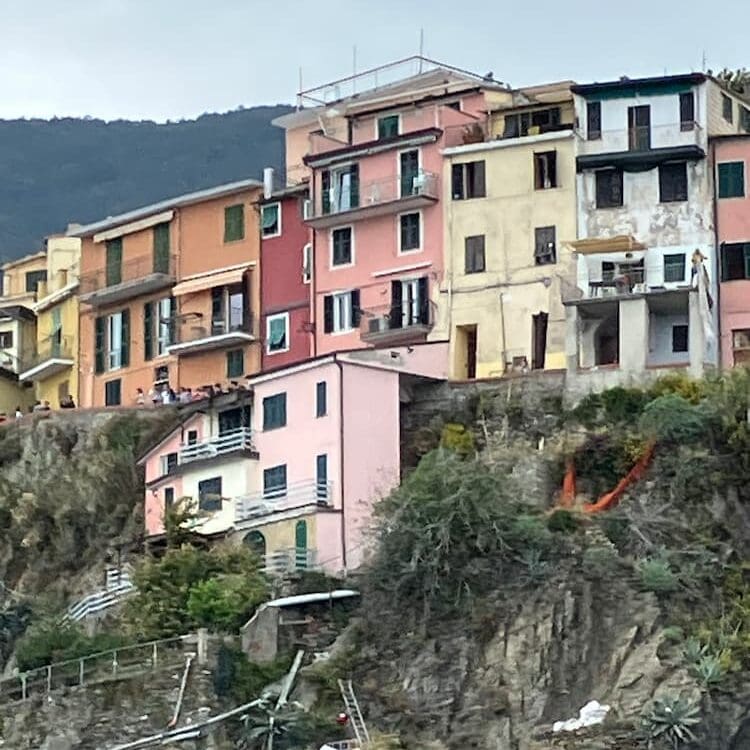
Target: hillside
(79, 170)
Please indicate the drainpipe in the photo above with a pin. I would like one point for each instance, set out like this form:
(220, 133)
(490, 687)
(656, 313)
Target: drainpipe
(717, 265)
(313, 274)
(342, 474)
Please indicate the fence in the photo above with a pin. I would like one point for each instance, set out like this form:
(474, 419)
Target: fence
(119, 663)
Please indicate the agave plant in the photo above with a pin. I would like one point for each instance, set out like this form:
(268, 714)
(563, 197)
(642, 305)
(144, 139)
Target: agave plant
(671, 719)
(268, 726)
(693, 651)
(708, 670)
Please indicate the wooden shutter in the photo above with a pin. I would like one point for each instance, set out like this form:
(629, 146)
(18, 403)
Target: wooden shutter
(125, 359)
(161, 248)
(356, 312)
(396, 304)
(325, 191)
(354, 185)
(148, 330)
(593, 120)
(328, 313)
(479, 188)
(114, 261)
(424, 301)
(100, 344)
(457, 181)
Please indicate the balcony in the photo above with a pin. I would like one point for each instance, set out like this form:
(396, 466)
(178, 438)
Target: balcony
(239, 440)
(284, 561)
(196, 339)
(641, 147)
(390, 195)
(53, 355)
(298, 495)
(401, 323)
(144, 275)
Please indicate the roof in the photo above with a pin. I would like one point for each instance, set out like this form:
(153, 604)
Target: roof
(728, 136)
(624, 84)
(24, 260)
(188, 199)
(15, 312)
(323, 596)
(301, 188)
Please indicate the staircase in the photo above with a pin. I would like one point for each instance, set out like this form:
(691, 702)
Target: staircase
(353, 712)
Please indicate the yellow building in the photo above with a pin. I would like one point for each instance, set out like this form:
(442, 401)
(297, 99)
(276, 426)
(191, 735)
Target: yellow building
(510, 209)
(53, 368)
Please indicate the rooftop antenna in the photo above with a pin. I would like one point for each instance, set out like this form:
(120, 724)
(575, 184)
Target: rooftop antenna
(704, 61)
(299, 95)
(354, 69)
(421, 48)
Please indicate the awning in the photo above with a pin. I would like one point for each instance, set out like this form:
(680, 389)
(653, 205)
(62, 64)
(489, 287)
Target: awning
(621, 243)
(209, 281)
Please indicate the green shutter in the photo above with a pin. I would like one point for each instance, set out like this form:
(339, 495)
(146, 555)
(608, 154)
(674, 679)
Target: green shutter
(732, 179)
(325, 191)
(125, 360)
(235, 363)
(234, 223)
(148, 331)
(100, 342)
(161, 248)
(354, 185)
(114, 261)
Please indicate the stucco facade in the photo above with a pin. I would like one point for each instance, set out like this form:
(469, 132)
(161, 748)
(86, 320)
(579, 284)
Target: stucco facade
(502, 309)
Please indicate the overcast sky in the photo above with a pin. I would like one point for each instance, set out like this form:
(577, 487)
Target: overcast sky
(172, 59)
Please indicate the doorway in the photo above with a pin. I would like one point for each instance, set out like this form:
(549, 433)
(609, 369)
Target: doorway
(538, 340)
(257, 543)
(639, 128)
(300, 544)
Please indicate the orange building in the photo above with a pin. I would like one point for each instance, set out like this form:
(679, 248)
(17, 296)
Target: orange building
(170, 296)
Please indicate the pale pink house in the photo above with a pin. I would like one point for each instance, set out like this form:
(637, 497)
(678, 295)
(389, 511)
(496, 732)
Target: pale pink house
(732, 163)
(374, 162)
(293, 465)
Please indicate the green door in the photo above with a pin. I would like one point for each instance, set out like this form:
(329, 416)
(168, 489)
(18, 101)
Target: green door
(161, 248)
(300, 544)
(114, 262)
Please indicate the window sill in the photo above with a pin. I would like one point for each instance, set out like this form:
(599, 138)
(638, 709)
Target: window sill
(342, 332)
(339, 266)
(270, 236)
(233, 242)
(277, 351)
(414, 251)
(273, 428)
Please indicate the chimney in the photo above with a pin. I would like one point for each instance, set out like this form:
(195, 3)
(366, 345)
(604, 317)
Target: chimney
(267, 182)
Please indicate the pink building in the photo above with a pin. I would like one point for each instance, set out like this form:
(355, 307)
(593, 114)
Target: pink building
(293, 465)
(732, 159)
(375, 163)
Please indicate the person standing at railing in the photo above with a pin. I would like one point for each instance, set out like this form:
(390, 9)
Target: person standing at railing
(67, 402)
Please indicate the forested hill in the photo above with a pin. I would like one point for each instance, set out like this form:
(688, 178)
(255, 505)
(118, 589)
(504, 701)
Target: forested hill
(53, 172)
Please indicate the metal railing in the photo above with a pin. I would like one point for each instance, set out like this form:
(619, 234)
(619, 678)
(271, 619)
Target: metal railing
(291, 496)
(377, 192)
(53, 347)
(186, 332)
(390, 319)
(615, 283)
(118, 587)
(287, 560)
(116, 663)
(640, 138)
(234, 440)
(127, 272)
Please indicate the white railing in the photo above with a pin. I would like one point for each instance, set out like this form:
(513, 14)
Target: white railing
(292, 496)
(118, 586)
(641, 138)
(344, 745)
(287, 560)
(240, 439)
(99, 667)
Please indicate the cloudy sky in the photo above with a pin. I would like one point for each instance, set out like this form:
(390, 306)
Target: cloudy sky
(172, 59)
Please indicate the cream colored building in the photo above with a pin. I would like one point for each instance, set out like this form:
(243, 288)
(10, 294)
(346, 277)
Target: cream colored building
(506, 237)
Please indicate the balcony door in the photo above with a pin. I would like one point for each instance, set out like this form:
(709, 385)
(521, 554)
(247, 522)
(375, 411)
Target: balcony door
(228, 309)
(113, 269)
(340, 189)
(409, 303)
(321, 477)
(639, 128)
(409, 171)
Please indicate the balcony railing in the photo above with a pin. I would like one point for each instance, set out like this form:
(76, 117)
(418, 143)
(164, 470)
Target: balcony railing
(54, 354)
(123, 280)
(214, 335)
(408, 320)
(235, 440)
(641, 138)
(288, 560)
(295, 495)
(377, 197)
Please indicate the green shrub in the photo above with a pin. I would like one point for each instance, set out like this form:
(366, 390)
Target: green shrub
(708, 670)
(679, 385)
(673, 419)
(656, 575)
(457, 438)
(600, 563)
(673, 634)
(623, 404)
(223, 603)
(562, 522)
(586, 412)
(242, 680)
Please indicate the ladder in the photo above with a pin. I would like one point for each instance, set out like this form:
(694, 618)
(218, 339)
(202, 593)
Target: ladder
(355, 715)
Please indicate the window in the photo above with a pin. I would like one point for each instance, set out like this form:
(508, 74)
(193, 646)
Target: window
(168, 498)
(679, 338)
(112, 341)
(593, 120)
(274, 411)
(161, 374)
(608, 188)
(234, 223)
(544, 246)
(113, 262)
(531, 123)
(673, 182)
(341, 247)
(340, 189)
(732, 179)
(410, 303)
(321, 399)
(158, 325)
(307, 266)
(727, 108)
(112, 393)
(545, 170)
(192, 437)
(274, 482)
(467, 180)
(410, 232)
(270, 220)
(161, 248)
(410, 177)
(388, 126)
(687, 111)
(674, 268)
(474, 253)
(277, 333)
(168, 463)
(741, 346)
(33, 278)
(229, 309)
(209, 494)
(745, 119)
(735, 261)
(6, 339)
(639, 128)
(235, 363)
(321, 476)
(341, 311)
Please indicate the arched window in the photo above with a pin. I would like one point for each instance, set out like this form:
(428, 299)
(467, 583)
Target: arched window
(257, 543)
